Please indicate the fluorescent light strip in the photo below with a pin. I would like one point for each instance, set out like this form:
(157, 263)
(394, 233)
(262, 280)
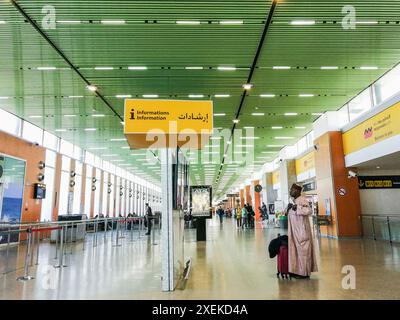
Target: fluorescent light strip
(249, 138)
(222, 95)
(60, 130)
(226, 68)
(90, 129)
(306, 95)
(123, 96)
(2, 22)
(75, 97)
(329, 68)
(267, 95)
(35, 117)
(104, 68)
(113, 22)
(69, 21)
(219, 114)
(231, 22)
(46, 68)
(275, 145)
(150, 96)
(98, 115)
(299, 127)
(137, 68)
(317, 114)
(4, 98)
(98, 148)
(190, 22)
(69, 115)
(196, 95)
(302, 22)
(291, 114)
(276, 128)
(367, 22)
(369, 68)
(194, 68)
(109, 155)
(122, 139)
(283, 138)
(281, 68)
(258, 114)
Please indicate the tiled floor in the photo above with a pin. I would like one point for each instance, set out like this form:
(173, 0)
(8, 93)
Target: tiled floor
(232, 264)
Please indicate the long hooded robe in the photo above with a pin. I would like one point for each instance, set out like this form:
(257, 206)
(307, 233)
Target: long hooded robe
(302, 259)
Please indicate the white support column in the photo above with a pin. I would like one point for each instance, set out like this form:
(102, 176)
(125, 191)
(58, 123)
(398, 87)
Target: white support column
(167, 248)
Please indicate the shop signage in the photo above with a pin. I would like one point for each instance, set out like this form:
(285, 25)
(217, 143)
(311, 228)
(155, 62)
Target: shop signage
(309, 186)
(376, 129)
(167, 123)
(305, 163)
(276, 177)
(379, 182)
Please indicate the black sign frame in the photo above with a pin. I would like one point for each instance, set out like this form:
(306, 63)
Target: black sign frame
(378, 182)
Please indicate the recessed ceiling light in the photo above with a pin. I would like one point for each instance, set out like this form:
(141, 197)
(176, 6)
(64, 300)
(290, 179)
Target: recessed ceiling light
(123, 96)
(281, 68)
(104, 68)
(276, 127)
(306, 95)
(150, 96)
(46, 68)
(192, 22)
(98, 115)
(283, 138)
(92, 88)
(329, 68)
(302, 22)
(291, 114)
(222, 95)
(258, 114)
(267, 95)
(112, 21)
(219, 114)
(378, 167)
(369, 68)
(231, 22)
(137, 68)
(247, 86)
(196, 95)
(69, 115)
(221, 68)
(90, 129)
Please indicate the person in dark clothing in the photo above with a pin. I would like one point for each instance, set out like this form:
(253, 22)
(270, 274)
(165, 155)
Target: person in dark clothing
(220, 213)
(264, 211)
(250, 216)
(149, 217)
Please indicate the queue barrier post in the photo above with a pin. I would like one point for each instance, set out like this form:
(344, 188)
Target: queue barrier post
(61, 253)
(28, 253)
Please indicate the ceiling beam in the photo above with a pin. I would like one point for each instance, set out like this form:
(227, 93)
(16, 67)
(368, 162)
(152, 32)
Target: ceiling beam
(252, 69)
(62, 55)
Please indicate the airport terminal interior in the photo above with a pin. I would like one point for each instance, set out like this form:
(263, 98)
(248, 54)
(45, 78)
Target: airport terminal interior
(157, 150)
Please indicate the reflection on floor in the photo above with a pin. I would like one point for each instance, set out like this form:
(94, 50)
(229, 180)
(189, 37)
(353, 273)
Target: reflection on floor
(231, 264)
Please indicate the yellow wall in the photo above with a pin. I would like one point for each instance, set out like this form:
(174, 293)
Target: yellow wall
(305, 163)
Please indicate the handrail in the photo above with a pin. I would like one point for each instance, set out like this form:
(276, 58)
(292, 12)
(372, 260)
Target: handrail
(381, 215)
(15, 225)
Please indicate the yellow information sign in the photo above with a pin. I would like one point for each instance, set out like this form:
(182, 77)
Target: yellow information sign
(168, 123)
(376, 129)
(276, 177)
(305, 163)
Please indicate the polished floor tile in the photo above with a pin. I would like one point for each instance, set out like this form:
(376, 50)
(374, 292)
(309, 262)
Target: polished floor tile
(231, 264)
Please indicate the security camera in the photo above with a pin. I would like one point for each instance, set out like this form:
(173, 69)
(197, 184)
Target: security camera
(316, 147)
(352, 174)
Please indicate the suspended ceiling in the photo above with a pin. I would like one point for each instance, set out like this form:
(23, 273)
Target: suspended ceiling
(151, 37)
